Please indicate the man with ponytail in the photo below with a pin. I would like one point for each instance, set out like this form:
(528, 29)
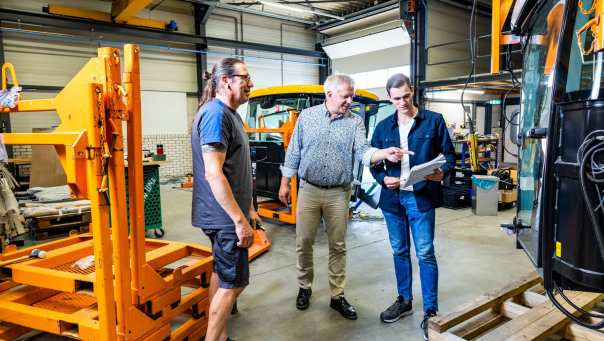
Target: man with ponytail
(222, 192)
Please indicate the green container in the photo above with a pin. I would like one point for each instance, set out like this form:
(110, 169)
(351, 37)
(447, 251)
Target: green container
(152, 199)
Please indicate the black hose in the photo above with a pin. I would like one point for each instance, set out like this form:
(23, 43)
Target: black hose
(575, 319)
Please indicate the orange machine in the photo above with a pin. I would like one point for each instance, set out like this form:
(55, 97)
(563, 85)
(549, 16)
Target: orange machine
(133, 288)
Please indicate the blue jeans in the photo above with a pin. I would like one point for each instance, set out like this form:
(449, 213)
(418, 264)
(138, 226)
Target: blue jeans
(421, 225)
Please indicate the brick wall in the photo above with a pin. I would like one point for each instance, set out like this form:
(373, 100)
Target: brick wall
(22, 151)
(177, 148)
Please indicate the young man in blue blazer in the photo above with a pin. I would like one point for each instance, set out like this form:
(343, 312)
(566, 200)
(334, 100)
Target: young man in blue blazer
(411, 209)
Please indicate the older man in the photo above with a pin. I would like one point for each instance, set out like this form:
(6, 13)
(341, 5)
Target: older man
(326, 141)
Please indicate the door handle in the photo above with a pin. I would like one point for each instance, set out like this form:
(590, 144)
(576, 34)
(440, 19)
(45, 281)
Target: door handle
(537, 133)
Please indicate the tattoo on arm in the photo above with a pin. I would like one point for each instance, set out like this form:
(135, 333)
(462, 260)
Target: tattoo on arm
(212, 147)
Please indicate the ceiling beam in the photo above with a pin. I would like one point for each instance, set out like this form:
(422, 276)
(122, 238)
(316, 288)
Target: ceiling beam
(367, 12)
(263, 47)
(96, 30)
(247, 10)
(122, 10)
(99, 30)
(100, 16)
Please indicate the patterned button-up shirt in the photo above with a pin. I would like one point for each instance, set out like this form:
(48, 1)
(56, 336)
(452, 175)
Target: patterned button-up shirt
(322, 150)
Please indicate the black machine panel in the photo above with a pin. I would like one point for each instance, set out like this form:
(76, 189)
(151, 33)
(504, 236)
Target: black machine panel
(268, 157)
(575, 257)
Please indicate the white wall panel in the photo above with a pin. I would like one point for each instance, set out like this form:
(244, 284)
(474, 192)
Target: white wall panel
(40, 61)
(24, 122)
(392, 57)
(446, 24)
(164, 112)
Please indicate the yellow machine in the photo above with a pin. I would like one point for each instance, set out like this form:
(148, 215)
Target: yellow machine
(133, 288)
(270, 121)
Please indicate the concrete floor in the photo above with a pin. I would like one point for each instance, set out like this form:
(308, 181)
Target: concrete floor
(474, 256)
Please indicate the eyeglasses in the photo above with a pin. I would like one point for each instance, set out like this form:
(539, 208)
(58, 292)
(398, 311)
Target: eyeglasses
(246, 78)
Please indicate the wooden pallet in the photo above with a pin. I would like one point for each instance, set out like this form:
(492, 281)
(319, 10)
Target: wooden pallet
(519, 311)
(54, 226)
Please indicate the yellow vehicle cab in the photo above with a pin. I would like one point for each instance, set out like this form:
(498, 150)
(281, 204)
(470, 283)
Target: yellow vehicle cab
(270, 121)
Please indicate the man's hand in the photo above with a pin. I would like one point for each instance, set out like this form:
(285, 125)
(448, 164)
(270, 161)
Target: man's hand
(392, 182)
(284, 192)
(245, 234)
(436, 176)
(394, 154)
(255, 218)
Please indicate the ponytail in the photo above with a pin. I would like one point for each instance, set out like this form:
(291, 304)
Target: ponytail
(209, 91)
(224, 67)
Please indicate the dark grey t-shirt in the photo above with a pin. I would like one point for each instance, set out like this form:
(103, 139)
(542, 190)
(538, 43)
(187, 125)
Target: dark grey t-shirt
(216, 123)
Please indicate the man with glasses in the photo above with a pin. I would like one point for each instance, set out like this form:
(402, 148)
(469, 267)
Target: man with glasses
(222, 192)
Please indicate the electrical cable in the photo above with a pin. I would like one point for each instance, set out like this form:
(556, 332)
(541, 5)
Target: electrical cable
(515, 84)
(472, 37)
(592, 145)
(575, 319)
(583, 311)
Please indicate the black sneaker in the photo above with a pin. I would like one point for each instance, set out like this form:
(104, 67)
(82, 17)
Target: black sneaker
(424, 325)
(303, 299)
(396, 311)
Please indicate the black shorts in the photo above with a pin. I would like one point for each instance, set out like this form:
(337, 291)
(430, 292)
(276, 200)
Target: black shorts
(230, 261)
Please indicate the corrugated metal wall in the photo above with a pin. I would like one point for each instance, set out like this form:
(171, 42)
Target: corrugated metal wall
(40, 61)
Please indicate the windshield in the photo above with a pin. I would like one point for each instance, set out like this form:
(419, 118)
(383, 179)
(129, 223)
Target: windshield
(273, 111)
(537, 90)
(584, 78)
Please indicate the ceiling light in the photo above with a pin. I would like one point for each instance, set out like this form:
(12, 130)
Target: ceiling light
(472, 91)
(371, 43)
(298, 9)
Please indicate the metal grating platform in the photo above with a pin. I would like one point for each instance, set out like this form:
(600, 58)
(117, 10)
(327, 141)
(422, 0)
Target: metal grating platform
(67, 303)
(69, 267)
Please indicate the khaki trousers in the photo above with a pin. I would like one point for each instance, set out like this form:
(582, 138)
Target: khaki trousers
(331, 205)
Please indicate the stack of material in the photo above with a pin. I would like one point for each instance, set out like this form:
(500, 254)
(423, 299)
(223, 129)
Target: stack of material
(12, 222)
(33, 209)
(57, 219)
(49, 194)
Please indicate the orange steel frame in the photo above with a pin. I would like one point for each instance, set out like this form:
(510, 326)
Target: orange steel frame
(500, 11)
(271, 209)
(133, 291)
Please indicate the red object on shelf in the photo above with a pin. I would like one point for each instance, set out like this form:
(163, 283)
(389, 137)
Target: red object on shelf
(159, 149)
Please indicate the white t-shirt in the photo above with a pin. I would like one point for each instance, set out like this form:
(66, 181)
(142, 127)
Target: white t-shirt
(403, 130)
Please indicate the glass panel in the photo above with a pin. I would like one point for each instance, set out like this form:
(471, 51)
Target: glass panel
(584, 80)
(537, 86)
(274, 110)
(382, 110)
(271, 112)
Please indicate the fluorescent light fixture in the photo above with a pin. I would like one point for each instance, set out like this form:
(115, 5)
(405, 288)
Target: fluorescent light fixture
(472, 91)
(369, 43)
(298, 9)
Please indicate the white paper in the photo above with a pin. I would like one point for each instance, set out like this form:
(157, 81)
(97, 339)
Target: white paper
(419, 172)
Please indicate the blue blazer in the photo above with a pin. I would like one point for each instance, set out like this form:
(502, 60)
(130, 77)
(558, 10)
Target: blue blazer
(428, 138)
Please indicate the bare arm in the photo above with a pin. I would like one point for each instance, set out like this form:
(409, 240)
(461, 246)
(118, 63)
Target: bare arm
(213, 159)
